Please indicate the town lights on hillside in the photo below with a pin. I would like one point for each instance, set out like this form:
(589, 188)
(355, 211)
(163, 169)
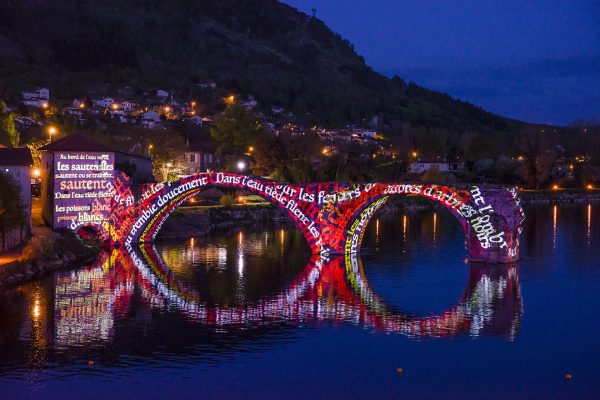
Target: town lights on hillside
(241, 165)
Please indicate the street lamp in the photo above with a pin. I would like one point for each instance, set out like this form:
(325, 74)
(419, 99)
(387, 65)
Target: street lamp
(241, 165)
(51, 131)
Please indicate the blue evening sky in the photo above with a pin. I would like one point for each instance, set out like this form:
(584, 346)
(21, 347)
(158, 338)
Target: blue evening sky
(534, 60)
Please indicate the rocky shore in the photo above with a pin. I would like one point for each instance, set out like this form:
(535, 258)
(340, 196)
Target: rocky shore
(44, 255)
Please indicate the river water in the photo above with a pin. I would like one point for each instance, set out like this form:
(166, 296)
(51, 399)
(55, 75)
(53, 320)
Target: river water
(249, 314)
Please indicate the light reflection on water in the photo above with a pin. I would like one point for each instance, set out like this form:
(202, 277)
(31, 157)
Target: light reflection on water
(206, 300)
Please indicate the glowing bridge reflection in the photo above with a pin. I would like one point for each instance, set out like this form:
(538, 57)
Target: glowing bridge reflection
(337, 291)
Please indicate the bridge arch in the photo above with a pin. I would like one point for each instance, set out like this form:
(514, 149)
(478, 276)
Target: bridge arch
(158, 201)
(333, 216)
(491, 217)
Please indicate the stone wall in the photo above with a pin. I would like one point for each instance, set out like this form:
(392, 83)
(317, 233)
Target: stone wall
(13, 237)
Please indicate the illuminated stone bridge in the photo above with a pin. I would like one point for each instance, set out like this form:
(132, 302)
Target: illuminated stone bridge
(332, 216)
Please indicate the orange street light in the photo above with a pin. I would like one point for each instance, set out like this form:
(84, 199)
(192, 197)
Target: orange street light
(230, 99)
(414, 154)
(44, 105)
(590, 186)
(51, 131)
(35, 172)
(193, 104)
(555, 187)
(115, 106)
(250, 149)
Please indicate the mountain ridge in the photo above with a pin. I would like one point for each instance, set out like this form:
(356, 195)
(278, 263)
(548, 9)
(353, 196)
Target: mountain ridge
(261, 47)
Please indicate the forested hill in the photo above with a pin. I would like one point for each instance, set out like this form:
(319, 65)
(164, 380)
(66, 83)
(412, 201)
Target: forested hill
(261, 47)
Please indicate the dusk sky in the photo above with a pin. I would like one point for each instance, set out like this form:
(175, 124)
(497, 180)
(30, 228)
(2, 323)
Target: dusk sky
(536, 60)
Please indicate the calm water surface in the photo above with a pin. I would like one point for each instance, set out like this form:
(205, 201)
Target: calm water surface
(249, 314)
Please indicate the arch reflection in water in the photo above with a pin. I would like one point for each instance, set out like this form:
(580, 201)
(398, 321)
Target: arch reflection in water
(338, 291)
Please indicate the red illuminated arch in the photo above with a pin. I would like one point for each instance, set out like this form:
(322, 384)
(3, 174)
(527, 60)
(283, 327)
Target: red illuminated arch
(333, 216)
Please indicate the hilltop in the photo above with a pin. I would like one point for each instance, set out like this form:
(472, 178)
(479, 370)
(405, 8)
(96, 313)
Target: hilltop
(261, 47)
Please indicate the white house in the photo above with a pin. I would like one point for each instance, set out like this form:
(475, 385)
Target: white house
(40, 94)
(423, 165)
(78, 103)
(200, 156)
(127, 105)
(197, 120)
(104, 102)
(150, 119)
(207, 85)
(162, 94)
(25, 122)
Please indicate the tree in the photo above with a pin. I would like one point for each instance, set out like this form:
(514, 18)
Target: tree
(268, 155)
(235, 130)
(8, 132)
(538, 151)
(433, 174)
(12, 209)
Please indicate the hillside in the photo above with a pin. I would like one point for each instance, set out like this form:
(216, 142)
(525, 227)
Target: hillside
(262, 47)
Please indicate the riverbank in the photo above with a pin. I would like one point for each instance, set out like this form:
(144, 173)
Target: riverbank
(531, 197)
(46, 254)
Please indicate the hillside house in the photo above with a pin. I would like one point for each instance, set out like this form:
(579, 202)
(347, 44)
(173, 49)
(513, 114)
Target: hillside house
(423, 165)
(39, 94)
(200, 156)
(39, 99)
(105, 102)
